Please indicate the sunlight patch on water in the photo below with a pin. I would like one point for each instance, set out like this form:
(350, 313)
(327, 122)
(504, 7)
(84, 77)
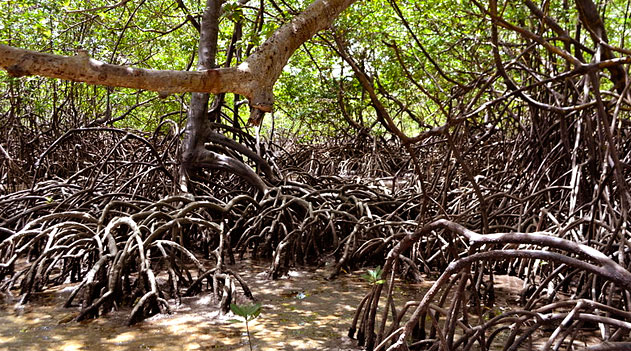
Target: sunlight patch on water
(204, 300)
(124, 338)
(302, 311)
(72, 346)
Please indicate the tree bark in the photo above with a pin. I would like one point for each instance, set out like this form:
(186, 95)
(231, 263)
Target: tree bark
(81, 68)
(588, 13)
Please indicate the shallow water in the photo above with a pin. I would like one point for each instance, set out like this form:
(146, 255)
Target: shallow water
(300, 312)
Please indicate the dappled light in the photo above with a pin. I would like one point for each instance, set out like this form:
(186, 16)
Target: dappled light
(302, 311)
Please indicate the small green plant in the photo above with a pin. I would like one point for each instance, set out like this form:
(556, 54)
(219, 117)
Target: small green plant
(374, 276)
(248, 313)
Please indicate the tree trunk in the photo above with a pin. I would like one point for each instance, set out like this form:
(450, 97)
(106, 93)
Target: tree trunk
(588, 13)
(197, 124)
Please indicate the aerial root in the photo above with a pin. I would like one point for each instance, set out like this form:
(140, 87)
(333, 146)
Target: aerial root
(462, 320)
(125, 256)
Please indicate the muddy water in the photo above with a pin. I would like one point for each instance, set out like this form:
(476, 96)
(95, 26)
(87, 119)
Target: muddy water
(300, 312)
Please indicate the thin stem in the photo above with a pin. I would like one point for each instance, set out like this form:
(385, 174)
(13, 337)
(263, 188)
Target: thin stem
(247, 329)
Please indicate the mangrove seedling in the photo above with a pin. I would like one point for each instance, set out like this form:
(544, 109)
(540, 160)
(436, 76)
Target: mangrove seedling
(374, 276)
(248, 313)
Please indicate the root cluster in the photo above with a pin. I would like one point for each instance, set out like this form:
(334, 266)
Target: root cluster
(101, 211)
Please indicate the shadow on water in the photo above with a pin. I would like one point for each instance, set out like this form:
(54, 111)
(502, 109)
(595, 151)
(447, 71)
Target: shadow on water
(302, 311)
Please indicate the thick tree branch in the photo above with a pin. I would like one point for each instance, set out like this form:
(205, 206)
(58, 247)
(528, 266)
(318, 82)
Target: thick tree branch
(254, 78)
(81, 68)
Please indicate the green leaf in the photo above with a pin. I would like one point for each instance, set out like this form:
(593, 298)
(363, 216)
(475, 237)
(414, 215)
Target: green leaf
(247, 312)
(238, 310)
(374, 276)
(253, 311)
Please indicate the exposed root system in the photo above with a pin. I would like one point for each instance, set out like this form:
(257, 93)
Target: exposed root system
(100, 209)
